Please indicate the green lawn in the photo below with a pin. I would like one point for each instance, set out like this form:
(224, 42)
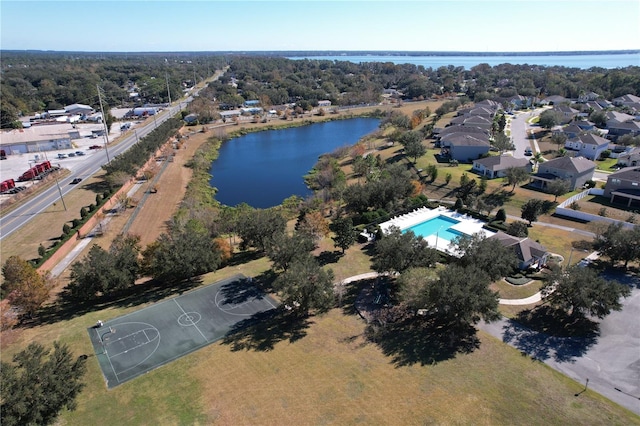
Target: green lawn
(323, 373)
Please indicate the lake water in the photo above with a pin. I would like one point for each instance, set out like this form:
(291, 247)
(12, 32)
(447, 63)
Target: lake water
(584, 61)
(263, 168)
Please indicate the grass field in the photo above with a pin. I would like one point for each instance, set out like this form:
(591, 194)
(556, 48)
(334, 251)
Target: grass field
(328, 374)
(325, 372)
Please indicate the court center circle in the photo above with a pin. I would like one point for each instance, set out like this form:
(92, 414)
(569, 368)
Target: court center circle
(189, 318)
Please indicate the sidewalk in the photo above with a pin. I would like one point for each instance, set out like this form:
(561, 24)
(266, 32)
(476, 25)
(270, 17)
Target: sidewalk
(84, 242)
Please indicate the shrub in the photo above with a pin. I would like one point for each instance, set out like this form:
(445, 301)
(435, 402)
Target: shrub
(75, 223)
(575, 206)
(66, 229)
(84, 212)
(603, 212)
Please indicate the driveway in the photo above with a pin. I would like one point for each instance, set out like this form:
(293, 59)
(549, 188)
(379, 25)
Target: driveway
(610, 362)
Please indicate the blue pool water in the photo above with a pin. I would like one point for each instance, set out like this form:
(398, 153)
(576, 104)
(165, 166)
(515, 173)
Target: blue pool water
(439, 224)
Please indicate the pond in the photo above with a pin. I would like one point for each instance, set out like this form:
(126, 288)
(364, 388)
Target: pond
(264, 168)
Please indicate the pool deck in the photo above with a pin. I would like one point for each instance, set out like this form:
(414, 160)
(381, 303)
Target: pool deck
(467, 225)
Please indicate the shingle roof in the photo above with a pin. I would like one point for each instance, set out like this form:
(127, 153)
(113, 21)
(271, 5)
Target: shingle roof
(573, 164)
(501, 162)
(591, 139)
(632, 174)
(525, 248)
(465, 139)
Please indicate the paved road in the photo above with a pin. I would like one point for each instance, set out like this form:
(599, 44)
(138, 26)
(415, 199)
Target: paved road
(89, 165)
(520, 131)
(611, 361)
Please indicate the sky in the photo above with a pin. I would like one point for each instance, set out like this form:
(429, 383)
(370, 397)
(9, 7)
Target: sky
(263, 25)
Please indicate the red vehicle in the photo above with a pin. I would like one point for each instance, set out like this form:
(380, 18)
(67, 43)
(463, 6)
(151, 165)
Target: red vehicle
(3, 154)
(28, 175)
(35, 171)
(7, 185)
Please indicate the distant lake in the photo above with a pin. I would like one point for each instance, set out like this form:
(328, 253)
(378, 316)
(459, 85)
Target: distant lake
(584, 61)
(263, 168)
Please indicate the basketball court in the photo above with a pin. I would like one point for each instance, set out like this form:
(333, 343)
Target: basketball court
(141, 341)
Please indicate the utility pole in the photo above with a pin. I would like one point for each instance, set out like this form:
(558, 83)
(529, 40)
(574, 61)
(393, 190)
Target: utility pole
(166, 76)
(104, 123)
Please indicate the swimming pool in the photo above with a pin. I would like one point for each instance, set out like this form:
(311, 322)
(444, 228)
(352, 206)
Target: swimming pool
(440, 225)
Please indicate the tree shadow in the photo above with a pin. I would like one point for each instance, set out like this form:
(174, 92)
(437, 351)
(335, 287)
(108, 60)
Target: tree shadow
(240, 291)
(327, 257)
(263, 330)
(242, 257)
(67, 307)
(422, 340)
(498, 197)
(547, 333)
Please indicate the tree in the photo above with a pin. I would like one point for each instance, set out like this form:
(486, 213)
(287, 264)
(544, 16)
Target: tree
(531, 210)
(256, 228)
(503, 142)
(580, 291)
(37, 386)
(548, 119)
(414, 149)
(453, 297)
(515, 175)
(283, 250)
(558, 187)
(306, 286)
(501, 215)
(398, 251)
(486, 254)
(314, 224)
(104, 272)
(618, 243)
(559, 139)
(518, 229)
(185, 252)
(24, 287)
(345, 233)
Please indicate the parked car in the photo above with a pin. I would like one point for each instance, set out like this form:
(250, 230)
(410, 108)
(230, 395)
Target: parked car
(76, 180)
(79, 152)
(72, 154)
(62, 155)
(528, 152)
(95, 147)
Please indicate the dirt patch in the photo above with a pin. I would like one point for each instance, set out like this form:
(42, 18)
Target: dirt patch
(170, 185)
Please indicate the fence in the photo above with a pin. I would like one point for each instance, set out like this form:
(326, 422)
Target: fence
(562, 210)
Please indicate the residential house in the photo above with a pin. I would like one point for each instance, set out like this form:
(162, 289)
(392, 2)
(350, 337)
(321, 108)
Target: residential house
(586, 97)
(624, 183)
(520, 102)
(565, 113)
(464, 147)
(496, 165)
(617, 129)
(630, 157)
(324, 103)
(626, 100)
(530, 254)
(571, 130)
(577, 170)
(474, 121)
(555, 100)
(587, 145)
(191, 118)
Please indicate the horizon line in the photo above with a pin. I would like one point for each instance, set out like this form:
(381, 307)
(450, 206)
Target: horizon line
(328, 52)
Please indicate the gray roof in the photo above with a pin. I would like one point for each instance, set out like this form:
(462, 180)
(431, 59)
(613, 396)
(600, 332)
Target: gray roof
(570, 164)
(591, 139)
(632, 174)
(463, 129)
(525, 248)
(502, 162)
(465, 139)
